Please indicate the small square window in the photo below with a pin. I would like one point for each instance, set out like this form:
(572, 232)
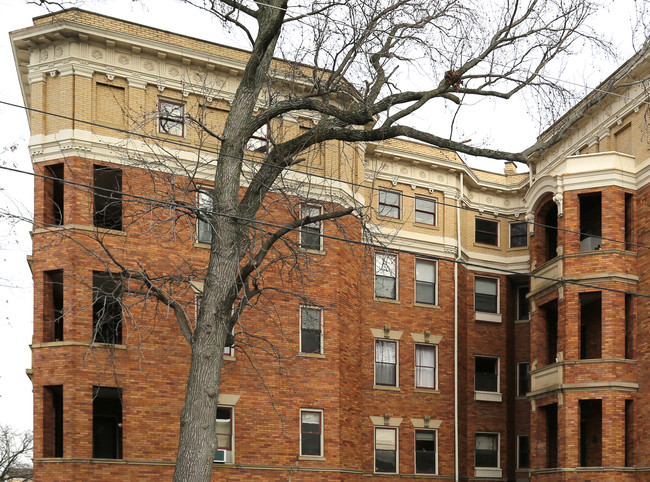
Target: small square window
(425, 366)
(486, 374)
(523, 452)
(311, 234)
(518, 235)
(260, 140)
(386, 276)
(171, 118)
(523, 379)
(225, 435)
(386, 450)
(389, 204)
(311, 433)
(486, 295)
(386, 363)
(486, 232)
(487, 450)
(311, 329)
(425, 210)
(425, 451)
(425, 282)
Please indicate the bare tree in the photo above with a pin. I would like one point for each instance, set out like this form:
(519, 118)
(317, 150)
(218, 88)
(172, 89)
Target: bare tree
(346, 64)
(15, 454)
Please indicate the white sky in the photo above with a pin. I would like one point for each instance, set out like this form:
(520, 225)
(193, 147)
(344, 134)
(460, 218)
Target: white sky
(501, 124)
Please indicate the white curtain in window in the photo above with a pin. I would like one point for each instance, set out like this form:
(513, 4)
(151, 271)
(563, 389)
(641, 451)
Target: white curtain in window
(385, 439)
(486, 442)
(425, 359)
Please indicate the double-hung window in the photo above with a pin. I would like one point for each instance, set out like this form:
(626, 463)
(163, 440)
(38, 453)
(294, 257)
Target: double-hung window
(425, 210)
(385, 276)
(518, 235)
(311, 234)
(386, 363)
(260, 140)
(386, 450)
(486, 453)
(389, 204)
(425, 366)
(311, 322)
(311, 433)
(225, 435)
(486, 232)
(425, 282)
(486, 379)
(203, 228)
(171, 118)
(486, 294)
(425, 451)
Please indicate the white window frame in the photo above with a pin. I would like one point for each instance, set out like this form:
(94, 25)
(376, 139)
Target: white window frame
(180, 120)
(519, 467)
(203, 202)
(435, 368)
(395, 275)
(322, 431)
(494, 472)
(374, 452)
(304, 212)
(415, 464)
(399, 203)
(494, 221)
(232, 435)
(519, 366)
(320, 311)
(434, 212)
(489, 396)
(435, 282)
(374, 363)
(510, 234)
(259, 141)
(486, 315)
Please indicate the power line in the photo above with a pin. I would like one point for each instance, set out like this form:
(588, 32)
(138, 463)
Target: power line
(317, 176)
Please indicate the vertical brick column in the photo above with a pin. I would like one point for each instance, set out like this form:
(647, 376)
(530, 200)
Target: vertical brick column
(614, 430)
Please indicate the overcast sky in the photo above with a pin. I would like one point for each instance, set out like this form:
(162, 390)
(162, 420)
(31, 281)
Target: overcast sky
(504, 125)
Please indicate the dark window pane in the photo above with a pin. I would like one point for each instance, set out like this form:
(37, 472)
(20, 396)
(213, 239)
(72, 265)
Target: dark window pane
(524, 452)
(385, 461)
(485, 373)
(389, 204)
(518, 237)
(486, 232)
(107, 309)
(485, 303)
(107, 196)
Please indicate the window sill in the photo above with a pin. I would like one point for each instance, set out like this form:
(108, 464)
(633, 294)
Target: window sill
(489, 317)
(49, 344)
(519, 248)
(229, 358)
(311, 355)
(488, 396)
(388, 300)
(197, 244)
(426, 305)
(319, 252)
(387, 388)
(316, 458)
(522, 322)
(489, 472)
(488, 246)
(80, 227)
(432, 391)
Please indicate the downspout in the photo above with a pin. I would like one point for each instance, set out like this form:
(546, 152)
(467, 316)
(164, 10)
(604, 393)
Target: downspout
(456, 298)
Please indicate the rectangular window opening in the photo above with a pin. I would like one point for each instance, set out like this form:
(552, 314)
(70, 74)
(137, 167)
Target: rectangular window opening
(523, 452)
(203, 228)
(54, 189)
(225, 434)
(487, 450)
(629, 221)
(550, 315)
(629, 326)
(518, 235)
(425, 452)
(107, 197)
(311, 234)
(53, 421)
(389, 204)
(523, 379)
(107, 423)
(590, 221)
(522, 302)
(486, 295)
(486, 374)
(386, 450)
(171, 118)
(311, 433)
(386, 363)
(486, 232)
(551, 446)
(53, 306)
(425, 282)
(385, 276)
(590, 325)
(310, 329)
(425, 210)
(107, 308)
(591, 433)
(425, 366)
(629, 434)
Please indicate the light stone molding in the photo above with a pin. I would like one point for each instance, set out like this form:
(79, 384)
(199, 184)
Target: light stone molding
(386, 421)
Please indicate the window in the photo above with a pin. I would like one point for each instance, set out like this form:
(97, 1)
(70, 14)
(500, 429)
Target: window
(107, 423)
(107, 198)
(311, 433)
(425, 211)
(386, 276)
(522, 302)
(386, 450)
(54, 187)
(310, 234)
(590, 221)
(518, 235)
(311, 329)
(171, 118)
(523, 452)
(224, 454)
(53, 306)
(260, 140)
(486, 232)
(486, 374)
(53, 421)
(486, 295)
(425, 451)
(425, 282)
(203, 228)
(389, 204)
(487, 450)
(107, 308)
(386, 363)
(523, 379)
(425, 366)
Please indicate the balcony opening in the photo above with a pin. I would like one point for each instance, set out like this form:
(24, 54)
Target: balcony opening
(590, 325)
(550, 416)
(53, 306)
(107, 196)
(53, 421)
(54, 195)
(548, 217)
(629, 326)
(590, 221)
(629, 221)
(629, 434)
(550, 315)
(107, 309)
(107, 423)
(591, 433)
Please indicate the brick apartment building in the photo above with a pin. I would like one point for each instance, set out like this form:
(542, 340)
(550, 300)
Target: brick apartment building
(435, 356)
